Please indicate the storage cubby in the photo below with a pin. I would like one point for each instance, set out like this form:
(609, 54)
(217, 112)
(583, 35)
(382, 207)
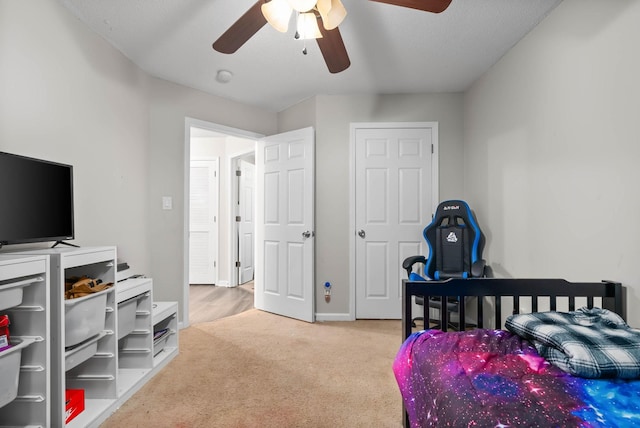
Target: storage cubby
(25, 387)
(165, 316)
(139, 318)
(92, 364)
(135, 357)
(110, 359)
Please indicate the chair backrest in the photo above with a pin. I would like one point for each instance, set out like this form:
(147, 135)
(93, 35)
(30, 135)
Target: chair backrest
(455, 241)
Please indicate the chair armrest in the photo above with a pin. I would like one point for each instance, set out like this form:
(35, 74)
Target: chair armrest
(477, 269)
(408, 263)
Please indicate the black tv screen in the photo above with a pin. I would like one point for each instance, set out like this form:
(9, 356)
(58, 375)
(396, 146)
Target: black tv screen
(36, 200)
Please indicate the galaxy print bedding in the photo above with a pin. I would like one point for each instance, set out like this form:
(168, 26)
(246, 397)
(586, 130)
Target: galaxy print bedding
(494, 378)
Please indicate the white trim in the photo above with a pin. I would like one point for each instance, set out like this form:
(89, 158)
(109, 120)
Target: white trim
(435, 169)
(333, 317)
(190, 122)
(185, 237)
(214, 127)
(224, 284)
(352, 187)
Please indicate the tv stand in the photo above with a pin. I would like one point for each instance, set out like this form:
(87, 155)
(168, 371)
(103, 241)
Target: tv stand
(123, 359)
(64, 243)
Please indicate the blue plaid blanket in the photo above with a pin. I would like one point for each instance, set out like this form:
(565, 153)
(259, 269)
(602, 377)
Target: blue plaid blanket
(590, 343)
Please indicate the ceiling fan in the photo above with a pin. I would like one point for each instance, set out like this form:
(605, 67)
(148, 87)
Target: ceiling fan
(328, 13)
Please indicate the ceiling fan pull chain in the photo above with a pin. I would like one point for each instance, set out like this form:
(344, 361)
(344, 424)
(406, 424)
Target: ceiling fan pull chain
(297, 35)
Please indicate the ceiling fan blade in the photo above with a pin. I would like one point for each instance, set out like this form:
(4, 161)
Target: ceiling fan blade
(242, 30)
(435, 6)
(333, 49)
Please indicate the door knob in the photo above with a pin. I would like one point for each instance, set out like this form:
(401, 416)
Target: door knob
(361, 233)
(307, 234)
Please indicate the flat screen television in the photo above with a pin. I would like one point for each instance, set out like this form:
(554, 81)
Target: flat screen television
(36, 200)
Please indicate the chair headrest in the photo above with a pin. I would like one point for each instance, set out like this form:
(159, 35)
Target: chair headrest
(454, 208)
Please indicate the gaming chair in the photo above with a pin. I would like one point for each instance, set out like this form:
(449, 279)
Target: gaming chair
(455, 244)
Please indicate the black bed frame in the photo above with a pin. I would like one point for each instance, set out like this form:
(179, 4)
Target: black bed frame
(490, 291)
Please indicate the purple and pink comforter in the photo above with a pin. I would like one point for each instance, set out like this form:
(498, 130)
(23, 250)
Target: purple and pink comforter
(493, 378)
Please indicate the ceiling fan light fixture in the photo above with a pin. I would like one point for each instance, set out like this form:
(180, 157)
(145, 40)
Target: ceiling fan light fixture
(302, 5)
(278, 14)
(332, 13)
(308, 26)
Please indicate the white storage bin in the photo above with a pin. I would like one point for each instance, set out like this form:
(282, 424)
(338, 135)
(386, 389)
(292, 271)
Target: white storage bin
(11, 295)
(10, 370)
(84, 317)
(82, 352)
(127, 316)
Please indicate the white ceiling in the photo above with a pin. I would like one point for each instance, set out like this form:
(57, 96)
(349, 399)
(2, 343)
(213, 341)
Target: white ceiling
(392, 49)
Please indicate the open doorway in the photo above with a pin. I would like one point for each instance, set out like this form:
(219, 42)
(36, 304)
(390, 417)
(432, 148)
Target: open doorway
(243, 228)
(213, 147)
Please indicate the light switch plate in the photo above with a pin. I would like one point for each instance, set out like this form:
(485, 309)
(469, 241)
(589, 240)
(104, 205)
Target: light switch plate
(167, 203)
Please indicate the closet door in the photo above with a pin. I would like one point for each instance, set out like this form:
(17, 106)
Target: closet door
(203, 222)
(393, 204)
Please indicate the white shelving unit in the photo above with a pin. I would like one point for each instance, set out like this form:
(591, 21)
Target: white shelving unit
(135, 343)
(165, 316)
(24, 296)
(95, 373)
(122, 358)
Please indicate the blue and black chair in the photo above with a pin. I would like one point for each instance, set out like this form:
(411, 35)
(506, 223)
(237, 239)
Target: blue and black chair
(455, 244)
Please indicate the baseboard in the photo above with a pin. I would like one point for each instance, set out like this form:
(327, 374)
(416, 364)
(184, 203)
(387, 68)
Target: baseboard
(223, 284)
(334, 317)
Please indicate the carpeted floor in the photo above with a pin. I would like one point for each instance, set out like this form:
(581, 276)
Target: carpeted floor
(256, 369)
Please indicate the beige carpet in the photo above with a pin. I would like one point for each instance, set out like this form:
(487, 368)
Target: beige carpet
(257, 369)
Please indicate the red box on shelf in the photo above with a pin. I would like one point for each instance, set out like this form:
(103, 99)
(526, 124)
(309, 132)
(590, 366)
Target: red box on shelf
(4, 332)
(73, 403)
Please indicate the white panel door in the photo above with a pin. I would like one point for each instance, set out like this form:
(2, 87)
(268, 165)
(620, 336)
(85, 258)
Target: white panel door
(393, 205)
(203, 222)
(284, 264)
(246, 225)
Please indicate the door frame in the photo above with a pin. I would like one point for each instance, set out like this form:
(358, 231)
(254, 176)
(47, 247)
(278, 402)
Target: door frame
(190, 122)
(234, 159)
(435, 197)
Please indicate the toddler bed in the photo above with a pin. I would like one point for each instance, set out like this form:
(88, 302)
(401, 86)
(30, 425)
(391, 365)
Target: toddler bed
(486, 376)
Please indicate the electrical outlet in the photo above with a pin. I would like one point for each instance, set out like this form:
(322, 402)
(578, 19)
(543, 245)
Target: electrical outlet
(327, 291)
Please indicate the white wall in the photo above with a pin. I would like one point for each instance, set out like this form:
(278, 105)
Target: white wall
(68, 96)
(552, 149)
(332, 116)
(550, 145)
(169, 105)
